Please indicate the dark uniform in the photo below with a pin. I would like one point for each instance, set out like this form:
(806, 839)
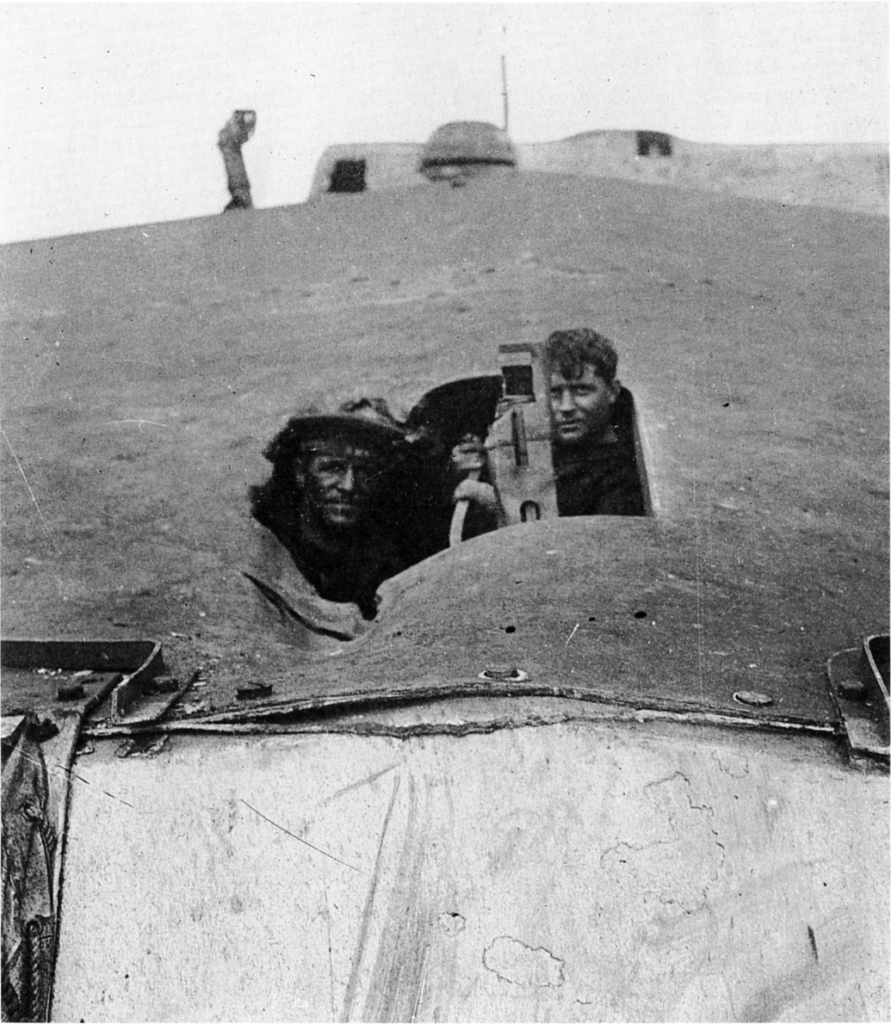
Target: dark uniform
(307, 602)
(600, 480)
(351, 573)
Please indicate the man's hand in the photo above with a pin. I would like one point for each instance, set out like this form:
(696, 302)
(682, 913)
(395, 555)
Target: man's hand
(468, 456)
(237, 130)
(477, 492)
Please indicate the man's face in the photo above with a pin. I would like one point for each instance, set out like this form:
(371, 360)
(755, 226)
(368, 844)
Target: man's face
(582, 407)
(338, 481)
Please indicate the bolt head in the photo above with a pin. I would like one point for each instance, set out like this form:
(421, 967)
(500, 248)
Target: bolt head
(503, 673)
(70, 691)
(852, 689)
(753, 699)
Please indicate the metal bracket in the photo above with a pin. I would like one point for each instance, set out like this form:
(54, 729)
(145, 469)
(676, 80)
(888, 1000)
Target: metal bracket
(134, 668)
(146, 694)
(860, 693)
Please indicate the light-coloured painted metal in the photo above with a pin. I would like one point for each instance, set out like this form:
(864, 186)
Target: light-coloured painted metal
(575, 871)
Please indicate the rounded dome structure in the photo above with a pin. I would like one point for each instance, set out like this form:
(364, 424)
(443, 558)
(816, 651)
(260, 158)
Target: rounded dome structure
(466, 144)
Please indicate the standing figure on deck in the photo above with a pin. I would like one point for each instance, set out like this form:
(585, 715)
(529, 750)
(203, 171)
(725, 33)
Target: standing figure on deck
(323, 546)
(235, 133)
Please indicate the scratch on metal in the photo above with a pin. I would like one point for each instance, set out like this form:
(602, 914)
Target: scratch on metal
(21, 470)
(367, 781)
(572, 634)
(119, 799)
(72, 773)
(305, 842)
(330, 949)
(154, 423)
(58, 766)
(350, 995)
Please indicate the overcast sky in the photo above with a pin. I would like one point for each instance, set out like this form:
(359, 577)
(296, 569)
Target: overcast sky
(110, 112)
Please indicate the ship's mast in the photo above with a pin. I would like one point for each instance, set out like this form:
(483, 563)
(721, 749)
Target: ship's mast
(504, 87)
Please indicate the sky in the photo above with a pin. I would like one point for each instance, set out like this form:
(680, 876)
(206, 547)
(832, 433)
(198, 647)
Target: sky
(110, 112)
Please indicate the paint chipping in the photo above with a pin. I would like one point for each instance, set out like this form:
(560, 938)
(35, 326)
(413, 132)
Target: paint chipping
(519, 964)
(452, 923)
(622, 853)
(734, 765)
(672, 795)
(143, 746)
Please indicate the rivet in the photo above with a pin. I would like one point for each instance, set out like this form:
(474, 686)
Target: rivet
(758, 700)
(852, 689)
(503, 674)
(165, 684)
(70, 691)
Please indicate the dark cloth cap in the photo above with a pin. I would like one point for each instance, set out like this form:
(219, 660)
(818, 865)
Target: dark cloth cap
(375, 434)
(465, 406)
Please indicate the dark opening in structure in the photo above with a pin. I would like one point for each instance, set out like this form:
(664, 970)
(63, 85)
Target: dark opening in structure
(647, 142)
(518, 382)
(348, 176)
(627, 428)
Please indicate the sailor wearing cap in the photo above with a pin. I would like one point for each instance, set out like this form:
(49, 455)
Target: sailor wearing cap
(323, 548)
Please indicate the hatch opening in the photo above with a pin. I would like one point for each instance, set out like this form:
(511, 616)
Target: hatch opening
(348, 176)
(518, 383)
(652, 143)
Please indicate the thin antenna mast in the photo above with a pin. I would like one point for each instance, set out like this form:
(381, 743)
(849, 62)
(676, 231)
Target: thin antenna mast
(504, 87)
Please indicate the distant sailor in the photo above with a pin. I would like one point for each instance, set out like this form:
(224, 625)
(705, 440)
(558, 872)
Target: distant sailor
(323, 550)
(233, 135)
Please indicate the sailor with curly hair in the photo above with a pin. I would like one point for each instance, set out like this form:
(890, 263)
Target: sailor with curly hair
(593, 463)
